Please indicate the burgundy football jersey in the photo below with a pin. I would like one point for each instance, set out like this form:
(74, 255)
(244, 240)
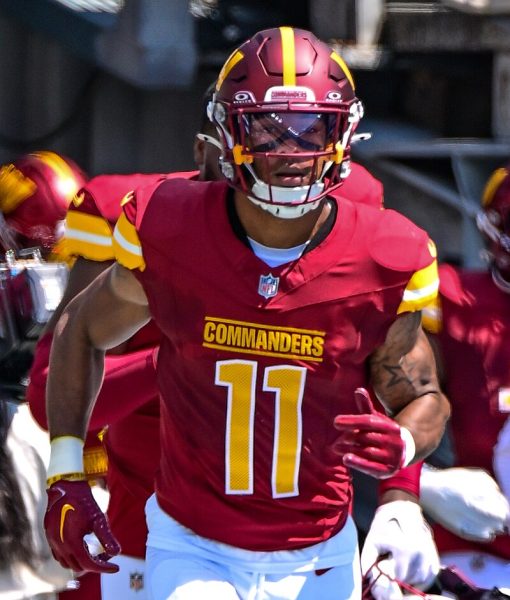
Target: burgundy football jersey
(255, 362)
(474, 336)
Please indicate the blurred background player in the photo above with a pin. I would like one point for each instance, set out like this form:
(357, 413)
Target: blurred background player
(470, 324)
(128, 399)
(35, 192)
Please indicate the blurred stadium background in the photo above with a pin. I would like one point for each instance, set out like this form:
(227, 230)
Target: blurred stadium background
(117, 85)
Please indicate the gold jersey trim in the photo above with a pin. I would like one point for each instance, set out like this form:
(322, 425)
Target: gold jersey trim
(126, 245)
(88, 236)
(421, 289)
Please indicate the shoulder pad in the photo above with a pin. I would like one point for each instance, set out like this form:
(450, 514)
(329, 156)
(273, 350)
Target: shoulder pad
(398, 244)
(182, 175)
(107, 191)
(450, 285)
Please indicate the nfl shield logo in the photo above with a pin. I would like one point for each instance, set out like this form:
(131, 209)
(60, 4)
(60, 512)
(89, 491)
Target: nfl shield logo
(268, 285)
(136, 581)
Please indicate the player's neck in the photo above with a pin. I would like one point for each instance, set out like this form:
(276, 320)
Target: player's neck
(273, 232)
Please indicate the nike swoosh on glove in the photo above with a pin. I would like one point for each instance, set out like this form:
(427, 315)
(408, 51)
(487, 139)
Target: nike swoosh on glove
(400, 535)
(71, 514)
(370, 442)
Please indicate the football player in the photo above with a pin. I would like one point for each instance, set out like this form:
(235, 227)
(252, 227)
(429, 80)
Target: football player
(128, 402)
(282, 134)
(470, 323)
(35, 191)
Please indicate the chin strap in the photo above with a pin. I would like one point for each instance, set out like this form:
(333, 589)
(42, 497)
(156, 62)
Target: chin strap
(204, 137)
(282, 211)
(285, 202)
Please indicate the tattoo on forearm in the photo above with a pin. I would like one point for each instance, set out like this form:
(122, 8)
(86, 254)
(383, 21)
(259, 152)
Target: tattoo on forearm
(396, 375)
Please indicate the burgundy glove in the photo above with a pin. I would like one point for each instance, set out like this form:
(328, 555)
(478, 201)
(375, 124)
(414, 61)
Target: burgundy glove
(72, 513)
(369, 442)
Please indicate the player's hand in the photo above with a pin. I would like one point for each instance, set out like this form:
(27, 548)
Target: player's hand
(401, 536)
(71, 514)
(466, 501)
(370, 442)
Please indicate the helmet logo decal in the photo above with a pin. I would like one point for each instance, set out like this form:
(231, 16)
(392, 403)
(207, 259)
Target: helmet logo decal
(244, 96)
(285, 93)
(268, 285)
(334, 96)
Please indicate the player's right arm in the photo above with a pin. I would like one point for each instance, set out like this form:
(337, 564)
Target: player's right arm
(105, 314)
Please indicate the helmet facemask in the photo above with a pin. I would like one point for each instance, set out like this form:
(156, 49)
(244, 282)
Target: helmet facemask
(286, 159)
(286, 111)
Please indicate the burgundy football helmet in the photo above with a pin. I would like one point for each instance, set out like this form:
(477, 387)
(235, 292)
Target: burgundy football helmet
(35, 191)
(286, 111)
(494, 222)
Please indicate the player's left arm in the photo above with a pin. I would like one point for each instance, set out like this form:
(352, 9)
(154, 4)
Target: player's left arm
(404, 377)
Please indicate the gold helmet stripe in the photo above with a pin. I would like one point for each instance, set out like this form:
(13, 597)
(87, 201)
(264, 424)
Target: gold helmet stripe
(231, 62)
(496, 179)
(341, 63)
(288, 56)
(15, 188)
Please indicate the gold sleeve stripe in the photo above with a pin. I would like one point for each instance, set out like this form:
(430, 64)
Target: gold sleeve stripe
(492, 185)
(89, 224)
(231, 62)
(421, 289)
(88, 236)
(126, 245)
(341, 63)
(288, 55)
(432, 316)
(73, 247)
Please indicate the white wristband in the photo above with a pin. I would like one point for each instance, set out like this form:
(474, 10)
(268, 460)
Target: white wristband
(66, 456)
(410, 446)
